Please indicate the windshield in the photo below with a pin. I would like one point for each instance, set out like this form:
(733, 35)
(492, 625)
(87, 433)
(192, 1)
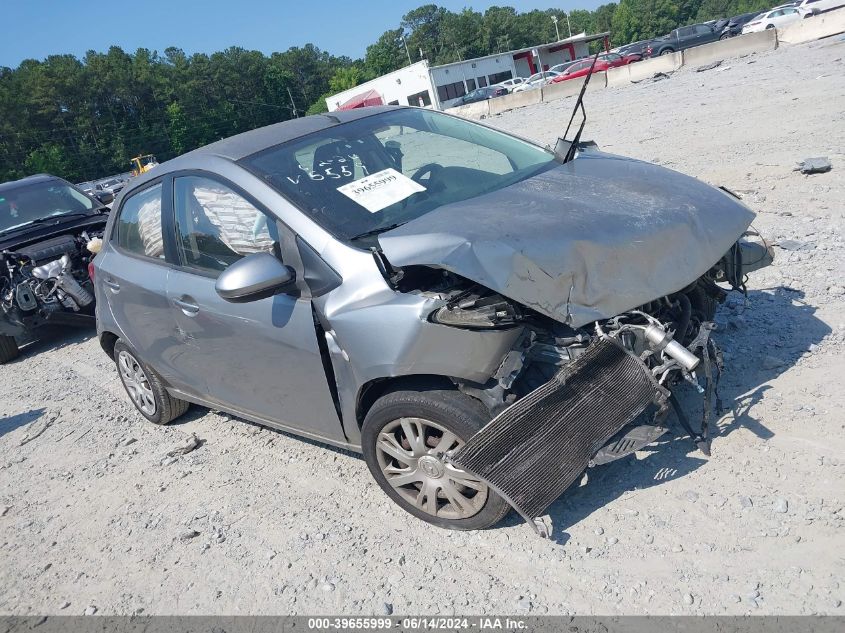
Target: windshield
(27, 204)
(365, 176)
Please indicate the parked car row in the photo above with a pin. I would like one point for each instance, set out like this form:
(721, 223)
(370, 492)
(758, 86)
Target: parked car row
(685, 37)
(111, 185)
(678, 39)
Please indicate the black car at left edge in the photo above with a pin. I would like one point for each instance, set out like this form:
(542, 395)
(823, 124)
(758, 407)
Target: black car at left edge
(49, 232)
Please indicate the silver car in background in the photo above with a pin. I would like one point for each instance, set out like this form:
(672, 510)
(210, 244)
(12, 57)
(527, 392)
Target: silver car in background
(419, 287)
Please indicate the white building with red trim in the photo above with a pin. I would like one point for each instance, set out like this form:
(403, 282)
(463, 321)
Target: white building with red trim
(439, 87)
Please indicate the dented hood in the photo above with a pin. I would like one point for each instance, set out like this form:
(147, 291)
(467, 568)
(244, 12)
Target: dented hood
(584, 241)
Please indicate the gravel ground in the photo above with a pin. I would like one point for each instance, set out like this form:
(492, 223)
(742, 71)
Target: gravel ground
(97, 517)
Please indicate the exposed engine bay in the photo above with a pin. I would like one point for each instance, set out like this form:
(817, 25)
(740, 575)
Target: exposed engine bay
(540, 382)
(48, 281)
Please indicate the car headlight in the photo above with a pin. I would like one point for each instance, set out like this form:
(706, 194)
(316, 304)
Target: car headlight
(488, 312)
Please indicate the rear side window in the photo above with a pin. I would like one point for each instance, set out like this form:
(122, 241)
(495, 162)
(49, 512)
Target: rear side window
(215, 226)
(139, 224)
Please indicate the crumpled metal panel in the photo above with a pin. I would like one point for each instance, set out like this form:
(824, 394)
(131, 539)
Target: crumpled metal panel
(584, 241)
(535, 449)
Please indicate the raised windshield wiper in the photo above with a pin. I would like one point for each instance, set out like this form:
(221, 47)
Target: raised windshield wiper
(573, 146)
(38, 221)
(376, 231)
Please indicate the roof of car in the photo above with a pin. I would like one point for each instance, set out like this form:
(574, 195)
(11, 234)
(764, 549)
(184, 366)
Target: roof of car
(29, 180)
(242, 145)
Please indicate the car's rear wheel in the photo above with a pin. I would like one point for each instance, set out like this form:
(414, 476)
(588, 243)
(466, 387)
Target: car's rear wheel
(8, 349)
(145, 388)
(405, 439)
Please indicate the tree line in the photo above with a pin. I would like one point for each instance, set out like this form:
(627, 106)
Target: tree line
(85, 118)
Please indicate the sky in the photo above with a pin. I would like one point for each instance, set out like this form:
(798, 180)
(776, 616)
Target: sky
(38, 28)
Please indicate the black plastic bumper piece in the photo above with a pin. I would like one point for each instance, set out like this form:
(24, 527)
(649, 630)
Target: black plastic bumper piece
(534, 450)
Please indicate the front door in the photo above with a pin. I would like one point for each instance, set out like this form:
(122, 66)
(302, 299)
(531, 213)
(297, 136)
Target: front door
(260, 358)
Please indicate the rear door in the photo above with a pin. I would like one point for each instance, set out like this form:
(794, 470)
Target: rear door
(259, 358)
(704, 34)
(774, 18)
(686, 37)
(133, 275)
(789, 16)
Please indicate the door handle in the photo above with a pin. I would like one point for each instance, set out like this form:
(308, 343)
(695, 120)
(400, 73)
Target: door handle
(111, 283)
(187, 306)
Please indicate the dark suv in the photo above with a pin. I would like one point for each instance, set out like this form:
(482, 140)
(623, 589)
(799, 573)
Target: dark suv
(49, 232)
(681, 39)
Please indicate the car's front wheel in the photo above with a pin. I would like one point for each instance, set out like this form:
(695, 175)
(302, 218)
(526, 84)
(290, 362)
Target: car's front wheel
(406, 437)
(145, 388)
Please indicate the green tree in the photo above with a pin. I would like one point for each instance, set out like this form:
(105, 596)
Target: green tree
(178, 128)
(387, 54)
(424, 24)
(50, 159)
(643, 19)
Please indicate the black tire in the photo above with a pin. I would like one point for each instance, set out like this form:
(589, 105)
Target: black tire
(770, 26)
(167, 408)
(724, 36)
(8, 349)
(667, 51)
(451, 410)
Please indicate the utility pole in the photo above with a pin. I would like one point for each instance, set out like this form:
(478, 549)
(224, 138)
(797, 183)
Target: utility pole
(293, 105)
(557, 31)
(406, 49)
(568, 26)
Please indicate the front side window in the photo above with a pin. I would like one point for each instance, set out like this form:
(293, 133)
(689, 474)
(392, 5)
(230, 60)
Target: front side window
(216, 227)
(359, 178)
(139, 223)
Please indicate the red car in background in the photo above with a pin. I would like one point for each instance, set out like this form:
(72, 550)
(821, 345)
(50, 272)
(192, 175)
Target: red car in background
(604, 61)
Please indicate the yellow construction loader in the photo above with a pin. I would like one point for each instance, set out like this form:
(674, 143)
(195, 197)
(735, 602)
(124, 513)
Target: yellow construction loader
(143, 163)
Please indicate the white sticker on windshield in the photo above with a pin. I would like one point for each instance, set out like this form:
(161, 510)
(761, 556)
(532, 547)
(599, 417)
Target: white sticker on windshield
(381, 189)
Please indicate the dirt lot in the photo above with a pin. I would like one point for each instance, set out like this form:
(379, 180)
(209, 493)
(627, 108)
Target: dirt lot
(97, 517)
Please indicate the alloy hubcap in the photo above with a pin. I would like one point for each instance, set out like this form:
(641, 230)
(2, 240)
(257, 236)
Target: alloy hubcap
(136, 382)
(411, 454)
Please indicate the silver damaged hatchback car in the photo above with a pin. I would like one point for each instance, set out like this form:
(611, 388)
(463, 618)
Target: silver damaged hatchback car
(481, 317)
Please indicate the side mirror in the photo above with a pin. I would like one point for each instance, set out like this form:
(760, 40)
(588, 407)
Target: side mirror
(254, 277)
(105, 197)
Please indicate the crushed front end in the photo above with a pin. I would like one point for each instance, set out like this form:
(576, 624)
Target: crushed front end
(564, 399)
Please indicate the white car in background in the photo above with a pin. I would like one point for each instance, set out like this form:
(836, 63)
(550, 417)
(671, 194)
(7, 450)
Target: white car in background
(819, 6)
(777, 18)
(536, 80)
(510, 84)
